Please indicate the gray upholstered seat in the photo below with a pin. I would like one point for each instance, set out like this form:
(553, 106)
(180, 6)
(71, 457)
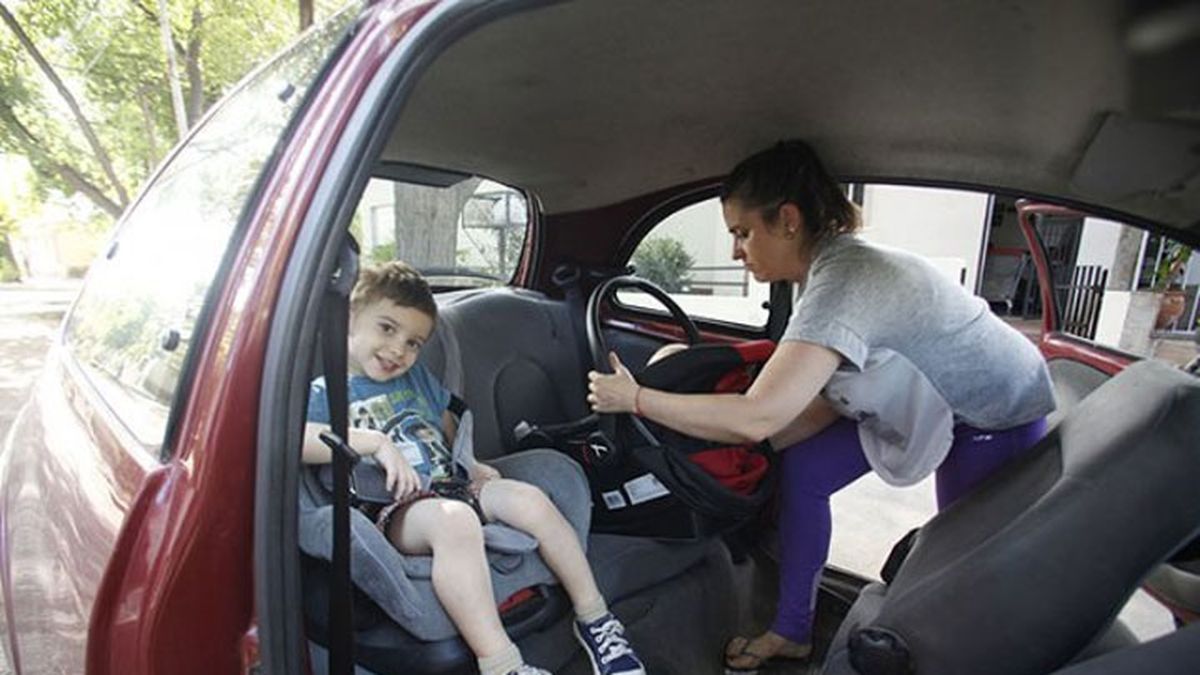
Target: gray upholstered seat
(513, 355)
(1020, 576)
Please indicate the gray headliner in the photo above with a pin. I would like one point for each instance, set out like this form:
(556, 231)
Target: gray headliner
(590, 102)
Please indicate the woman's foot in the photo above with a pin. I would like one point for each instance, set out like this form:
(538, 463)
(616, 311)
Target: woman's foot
(750, 654)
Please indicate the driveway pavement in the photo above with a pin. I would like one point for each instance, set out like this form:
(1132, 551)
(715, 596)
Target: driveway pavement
(29, 316)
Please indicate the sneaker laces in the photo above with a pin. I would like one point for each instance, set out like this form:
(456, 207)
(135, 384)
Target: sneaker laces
(610, 636)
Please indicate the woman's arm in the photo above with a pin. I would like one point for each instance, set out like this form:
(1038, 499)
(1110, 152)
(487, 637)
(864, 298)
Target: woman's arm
(788, 383)
(818, 415)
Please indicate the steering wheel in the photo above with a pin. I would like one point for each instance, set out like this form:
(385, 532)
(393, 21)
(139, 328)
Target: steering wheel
(599, 348)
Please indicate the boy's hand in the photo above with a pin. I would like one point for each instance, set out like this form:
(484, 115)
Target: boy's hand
(399, 476)
(482, 473)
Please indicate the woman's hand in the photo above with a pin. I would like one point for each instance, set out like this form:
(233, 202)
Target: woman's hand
(482, 473)
(399, 476)
(616, 393)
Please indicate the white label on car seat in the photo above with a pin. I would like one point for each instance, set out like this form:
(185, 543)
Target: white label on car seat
(614, 500)
(644, 488)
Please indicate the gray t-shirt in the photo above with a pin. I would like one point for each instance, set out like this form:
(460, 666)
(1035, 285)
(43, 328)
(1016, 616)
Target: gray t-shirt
(915, 346)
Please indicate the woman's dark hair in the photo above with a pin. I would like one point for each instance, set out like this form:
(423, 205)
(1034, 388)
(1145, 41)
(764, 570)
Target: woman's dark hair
(790, 171)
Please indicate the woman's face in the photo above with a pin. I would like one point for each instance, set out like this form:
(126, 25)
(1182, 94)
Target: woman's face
(771, 251)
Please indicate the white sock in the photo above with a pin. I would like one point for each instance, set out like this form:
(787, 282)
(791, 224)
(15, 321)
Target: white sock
(501, 663)
(592, 611)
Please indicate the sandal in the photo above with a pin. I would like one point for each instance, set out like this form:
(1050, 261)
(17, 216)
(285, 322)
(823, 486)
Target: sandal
(749, 661)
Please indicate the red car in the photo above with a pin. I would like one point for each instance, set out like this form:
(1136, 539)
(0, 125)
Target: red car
(520, 153)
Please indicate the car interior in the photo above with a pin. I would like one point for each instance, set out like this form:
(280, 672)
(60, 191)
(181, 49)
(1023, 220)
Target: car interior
(606, 117)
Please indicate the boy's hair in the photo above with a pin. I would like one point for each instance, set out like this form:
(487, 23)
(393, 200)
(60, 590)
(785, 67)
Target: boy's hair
(396, 281)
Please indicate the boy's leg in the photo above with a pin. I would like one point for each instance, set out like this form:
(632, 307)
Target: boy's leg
(450, 531)
(528, 509)
(601, 634)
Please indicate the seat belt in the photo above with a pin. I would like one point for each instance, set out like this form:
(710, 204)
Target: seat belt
(336, 320)
(569, 279)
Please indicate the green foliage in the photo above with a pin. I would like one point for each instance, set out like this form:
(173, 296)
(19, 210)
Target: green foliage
(1171, 266)
(664, 261)
(381, 254)
(109, 54)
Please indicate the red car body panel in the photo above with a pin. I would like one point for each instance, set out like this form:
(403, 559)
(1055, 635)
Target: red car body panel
(138, 566)
(1054, 343)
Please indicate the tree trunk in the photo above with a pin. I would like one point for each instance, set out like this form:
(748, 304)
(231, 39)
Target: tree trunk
(426, 223)
(306, 14)
(84, 125)
(164, 27)
(195, 76)
(148, 122)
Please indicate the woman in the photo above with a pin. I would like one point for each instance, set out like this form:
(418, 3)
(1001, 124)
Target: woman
(885, 365)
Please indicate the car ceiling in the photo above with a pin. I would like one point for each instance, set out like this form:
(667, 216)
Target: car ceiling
(591, 102)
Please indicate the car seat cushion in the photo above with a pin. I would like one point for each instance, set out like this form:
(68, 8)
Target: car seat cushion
(400, 584)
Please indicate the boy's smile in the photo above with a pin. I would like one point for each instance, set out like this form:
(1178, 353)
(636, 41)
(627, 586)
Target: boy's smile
(386, 338)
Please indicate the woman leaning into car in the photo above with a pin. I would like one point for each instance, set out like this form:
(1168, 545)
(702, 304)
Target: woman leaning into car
(885, 365)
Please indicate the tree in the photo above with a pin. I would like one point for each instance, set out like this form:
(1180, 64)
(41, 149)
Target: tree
(85, 93)
(664, 261)
(29, 142)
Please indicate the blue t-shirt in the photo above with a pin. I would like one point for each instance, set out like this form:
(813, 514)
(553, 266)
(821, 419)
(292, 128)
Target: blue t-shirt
(407, 408)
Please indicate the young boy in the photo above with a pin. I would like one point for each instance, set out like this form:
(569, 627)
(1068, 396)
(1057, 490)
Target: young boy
(392, 314)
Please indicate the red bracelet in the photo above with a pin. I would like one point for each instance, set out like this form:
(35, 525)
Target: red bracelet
(637, 409)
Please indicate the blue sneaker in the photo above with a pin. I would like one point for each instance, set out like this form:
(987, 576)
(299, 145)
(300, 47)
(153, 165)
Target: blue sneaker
(605, 643)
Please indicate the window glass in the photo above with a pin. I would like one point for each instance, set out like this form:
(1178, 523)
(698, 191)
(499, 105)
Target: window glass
(1123, 287)
(133, 323)
(467, 234)
(690, 255)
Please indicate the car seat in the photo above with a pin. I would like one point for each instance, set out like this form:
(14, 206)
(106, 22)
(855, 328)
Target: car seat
(1019, 576)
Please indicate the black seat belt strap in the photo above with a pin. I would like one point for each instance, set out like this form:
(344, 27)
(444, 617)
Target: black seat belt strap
(336, 320)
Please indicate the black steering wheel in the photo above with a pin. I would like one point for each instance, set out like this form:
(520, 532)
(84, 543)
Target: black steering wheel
(599, 347)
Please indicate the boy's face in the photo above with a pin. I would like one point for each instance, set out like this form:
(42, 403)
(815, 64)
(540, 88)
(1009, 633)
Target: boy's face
(385, 339)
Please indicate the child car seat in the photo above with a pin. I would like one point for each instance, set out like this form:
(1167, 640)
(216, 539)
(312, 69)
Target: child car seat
(648, 480)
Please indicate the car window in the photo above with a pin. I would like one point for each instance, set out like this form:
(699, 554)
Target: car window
(466, 234)
(1123, 287)
(690, 255)
(134, 320)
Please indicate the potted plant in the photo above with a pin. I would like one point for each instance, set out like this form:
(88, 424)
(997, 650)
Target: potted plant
(1168, 283)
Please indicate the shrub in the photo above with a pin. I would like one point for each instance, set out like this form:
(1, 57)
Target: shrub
(664, 261)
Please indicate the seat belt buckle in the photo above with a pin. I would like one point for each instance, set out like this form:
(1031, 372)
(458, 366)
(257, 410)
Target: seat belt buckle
(339, 446)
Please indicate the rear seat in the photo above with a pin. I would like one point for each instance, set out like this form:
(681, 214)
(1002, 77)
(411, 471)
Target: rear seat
(512, 355)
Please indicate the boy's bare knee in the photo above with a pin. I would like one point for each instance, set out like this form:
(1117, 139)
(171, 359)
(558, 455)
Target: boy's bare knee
(531, 502)
(457, 523)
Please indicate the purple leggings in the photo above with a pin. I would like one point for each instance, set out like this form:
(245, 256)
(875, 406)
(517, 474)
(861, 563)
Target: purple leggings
(816, 468)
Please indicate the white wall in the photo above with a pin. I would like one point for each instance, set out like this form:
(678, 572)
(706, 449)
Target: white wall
(1098, 243)
(943, 225)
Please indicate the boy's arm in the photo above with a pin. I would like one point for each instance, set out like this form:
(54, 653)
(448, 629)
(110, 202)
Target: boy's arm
(449, 426)
(400, 477)
(363, 441)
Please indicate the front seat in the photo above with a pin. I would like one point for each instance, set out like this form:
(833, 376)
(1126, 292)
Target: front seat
(1021, 575)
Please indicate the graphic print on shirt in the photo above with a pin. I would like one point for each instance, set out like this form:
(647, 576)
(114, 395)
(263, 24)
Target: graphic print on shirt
(421, 442)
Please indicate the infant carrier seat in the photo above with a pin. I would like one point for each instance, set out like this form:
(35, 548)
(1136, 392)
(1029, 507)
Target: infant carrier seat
(646, 479)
